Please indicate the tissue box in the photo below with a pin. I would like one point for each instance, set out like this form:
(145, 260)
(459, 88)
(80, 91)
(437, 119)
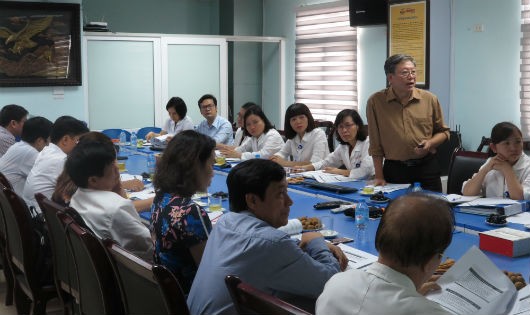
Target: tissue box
(505, 241)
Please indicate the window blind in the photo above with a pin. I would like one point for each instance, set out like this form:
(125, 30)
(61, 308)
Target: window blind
(326, 60)
(525, 69)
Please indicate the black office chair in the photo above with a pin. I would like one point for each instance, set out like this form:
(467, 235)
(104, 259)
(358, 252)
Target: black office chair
(463, 165)
(249, 300)
(329, 130)
(142, 292)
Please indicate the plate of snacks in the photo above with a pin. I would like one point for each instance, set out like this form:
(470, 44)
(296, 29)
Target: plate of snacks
(310, 224)
(296, 180)
(379, 198)
(444, 266)
(517, 279)
(496, 220)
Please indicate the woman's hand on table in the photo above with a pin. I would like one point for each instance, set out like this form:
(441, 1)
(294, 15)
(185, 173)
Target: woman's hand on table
(150, 135)
(230, 153)
(338, 171)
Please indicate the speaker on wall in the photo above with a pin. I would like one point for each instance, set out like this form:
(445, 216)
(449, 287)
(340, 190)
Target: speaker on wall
(368, 12)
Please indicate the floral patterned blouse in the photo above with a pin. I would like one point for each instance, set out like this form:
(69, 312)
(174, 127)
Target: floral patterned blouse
(176, 226)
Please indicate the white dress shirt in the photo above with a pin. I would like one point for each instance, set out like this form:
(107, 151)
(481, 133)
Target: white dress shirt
(43, 176)
(111, 216)
(359, 162)
(184, 124)
(494, 184)
(16, 164)
(240, 137)
(313, 147)
(378, 290)
(266, 145)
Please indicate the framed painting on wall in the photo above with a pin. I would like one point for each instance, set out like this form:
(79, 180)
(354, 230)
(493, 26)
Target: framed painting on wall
(39, 44)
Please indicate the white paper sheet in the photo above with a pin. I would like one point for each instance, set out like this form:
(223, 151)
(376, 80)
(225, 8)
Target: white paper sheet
(322, 177)
(474, 285)
(489, 202)
(357, 259)
(455, 198)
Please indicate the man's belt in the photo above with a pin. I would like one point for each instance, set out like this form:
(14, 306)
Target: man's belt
(413, 162)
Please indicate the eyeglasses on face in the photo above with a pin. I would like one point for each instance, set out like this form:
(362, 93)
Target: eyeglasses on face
(207, 107)
(406, 73)
(345, 126)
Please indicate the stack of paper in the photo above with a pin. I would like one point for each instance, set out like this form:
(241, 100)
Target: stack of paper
(474, 285)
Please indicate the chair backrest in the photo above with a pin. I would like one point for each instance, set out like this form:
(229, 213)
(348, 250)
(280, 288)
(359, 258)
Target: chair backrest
(463, 165)
(141, 291)
(142, 132)
(5, 182)
(115, 133)
(20, 239)
(328, 128)
(98, 288)
(484, 143)
(65, 276)
(249, 300)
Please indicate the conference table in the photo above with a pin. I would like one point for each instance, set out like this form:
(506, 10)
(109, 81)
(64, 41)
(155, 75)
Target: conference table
(304, 197)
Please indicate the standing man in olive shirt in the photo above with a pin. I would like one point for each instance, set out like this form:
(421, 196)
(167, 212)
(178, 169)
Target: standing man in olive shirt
(406, 126)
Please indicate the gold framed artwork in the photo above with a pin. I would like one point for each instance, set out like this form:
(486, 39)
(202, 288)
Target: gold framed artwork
(39, 44)
(408, 33)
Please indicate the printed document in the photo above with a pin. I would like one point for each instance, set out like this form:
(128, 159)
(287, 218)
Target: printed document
(474, 285)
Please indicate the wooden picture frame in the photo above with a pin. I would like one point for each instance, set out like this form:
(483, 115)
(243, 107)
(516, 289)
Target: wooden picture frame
(40, 44)
(408, 33)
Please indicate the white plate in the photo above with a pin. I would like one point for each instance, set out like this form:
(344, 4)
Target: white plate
(329, 233)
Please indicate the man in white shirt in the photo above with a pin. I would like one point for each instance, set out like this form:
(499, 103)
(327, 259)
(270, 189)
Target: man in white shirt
(92, 167)
(12, 118)
(214, 126)
(413, 233)
(49, 164)
(17, 162)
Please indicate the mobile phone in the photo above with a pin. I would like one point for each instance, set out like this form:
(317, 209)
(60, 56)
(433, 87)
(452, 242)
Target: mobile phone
(340, 240)
(421, 145)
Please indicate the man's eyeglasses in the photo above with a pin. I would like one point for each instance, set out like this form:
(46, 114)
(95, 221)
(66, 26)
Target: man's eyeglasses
(206, 107)
(406, 73)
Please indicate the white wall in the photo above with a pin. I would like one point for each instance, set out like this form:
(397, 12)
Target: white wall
(486, 79)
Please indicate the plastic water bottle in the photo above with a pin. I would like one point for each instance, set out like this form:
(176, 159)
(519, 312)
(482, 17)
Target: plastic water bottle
(362, 215)
(123, 138)
(416, 187)
(134, 140)
(151, 163)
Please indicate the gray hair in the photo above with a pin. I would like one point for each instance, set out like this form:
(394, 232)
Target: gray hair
(393, 61)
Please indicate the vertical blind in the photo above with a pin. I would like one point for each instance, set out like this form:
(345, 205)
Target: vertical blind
(525, 69)
(326, 60)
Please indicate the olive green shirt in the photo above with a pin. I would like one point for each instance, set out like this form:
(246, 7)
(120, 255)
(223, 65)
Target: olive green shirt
(396, 129)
